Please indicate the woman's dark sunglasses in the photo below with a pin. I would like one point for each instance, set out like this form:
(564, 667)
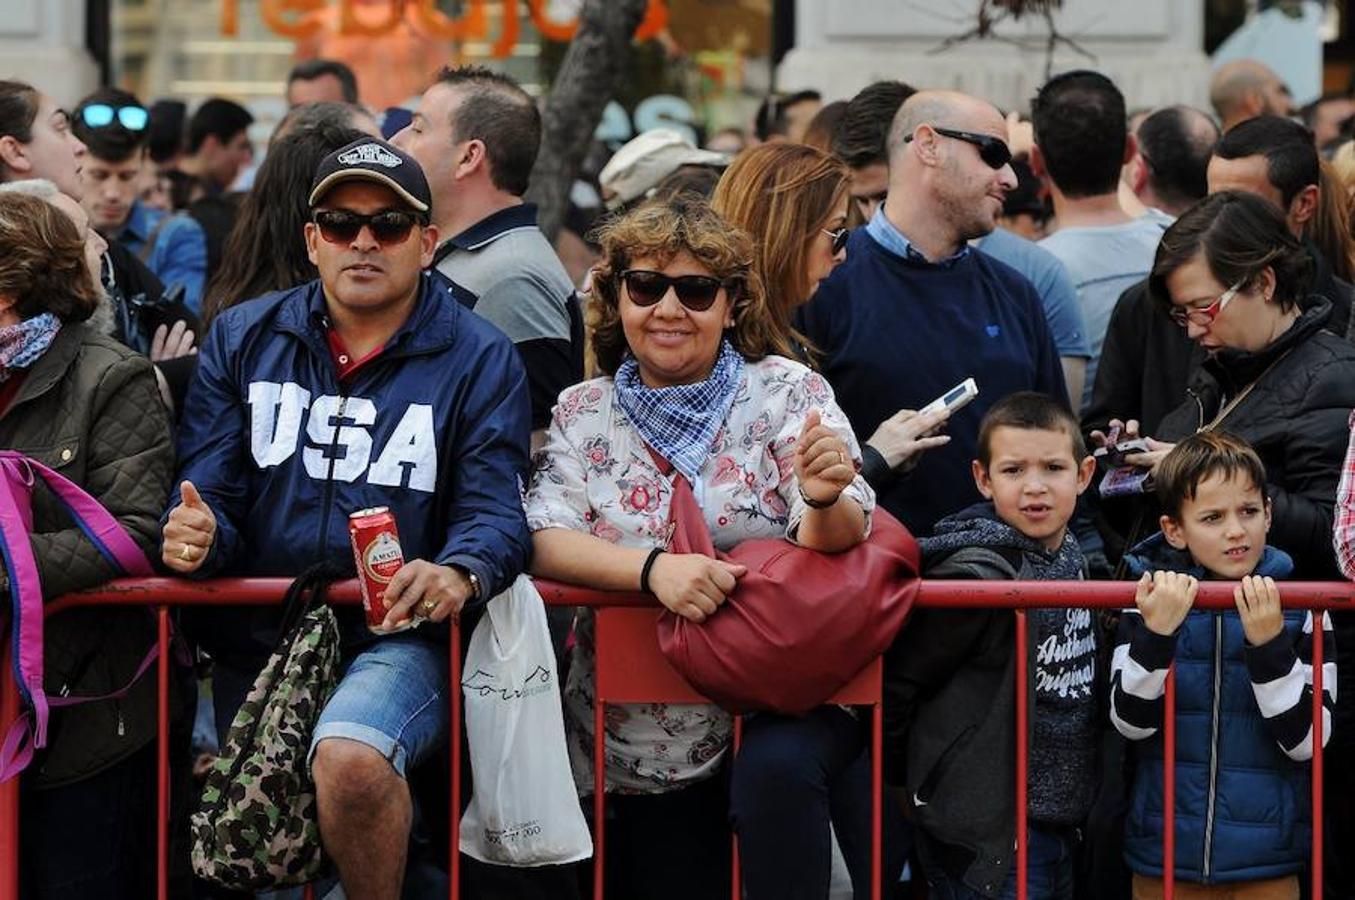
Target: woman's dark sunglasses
(993, 151)
(101, 115)
(696, 292)
(391, 226)
(839, 236)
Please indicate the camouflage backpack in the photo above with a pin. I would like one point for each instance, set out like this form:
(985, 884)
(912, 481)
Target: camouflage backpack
(256, 825)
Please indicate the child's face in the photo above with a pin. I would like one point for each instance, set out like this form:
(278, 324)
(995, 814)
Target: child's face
(1224, 527)
(1033, 480)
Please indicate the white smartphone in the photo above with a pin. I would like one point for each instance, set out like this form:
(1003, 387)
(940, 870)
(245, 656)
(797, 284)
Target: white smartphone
(954, 399)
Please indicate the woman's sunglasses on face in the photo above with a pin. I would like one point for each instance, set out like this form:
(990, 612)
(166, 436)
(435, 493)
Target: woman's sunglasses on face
(839, 236)
(696, 292)
(390, 226)
(101, 115)
(993, 151)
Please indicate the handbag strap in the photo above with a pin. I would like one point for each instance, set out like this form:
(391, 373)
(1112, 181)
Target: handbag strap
(18, 474)
(1242, 394)
(689, 532)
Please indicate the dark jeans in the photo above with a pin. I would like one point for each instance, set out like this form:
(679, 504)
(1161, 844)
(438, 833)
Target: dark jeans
(1338, 795)
(672, 846)
(95, 839)
(791, 779)
(1049, 864)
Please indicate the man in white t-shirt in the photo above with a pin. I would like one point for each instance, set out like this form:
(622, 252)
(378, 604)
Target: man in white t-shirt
(1081, 144)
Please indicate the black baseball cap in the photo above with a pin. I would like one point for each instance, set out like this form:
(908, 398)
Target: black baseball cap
(372, 159)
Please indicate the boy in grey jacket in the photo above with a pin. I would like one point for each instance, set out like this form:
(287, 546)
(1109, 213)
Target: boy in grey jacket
(950, 685)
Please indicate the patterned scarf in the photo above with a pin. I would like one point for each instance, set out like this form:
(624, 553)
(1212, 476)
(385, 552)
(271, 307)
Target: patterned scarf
(21, 345)
(680, 422)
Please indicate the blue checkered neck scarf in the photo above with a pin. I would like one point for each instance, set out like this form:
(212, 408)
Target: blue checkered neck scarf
(21, 345)
(680, 422)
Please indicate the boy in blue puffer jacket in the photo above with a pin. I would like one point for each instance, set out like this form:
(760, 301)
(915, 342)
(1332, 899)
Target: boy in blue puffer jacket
(1244, 685)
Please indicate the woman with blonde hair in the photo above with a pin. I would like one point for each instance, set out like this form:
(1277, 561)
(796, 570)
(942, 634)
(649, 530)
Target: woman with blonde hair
(793, 200)
(685, 337)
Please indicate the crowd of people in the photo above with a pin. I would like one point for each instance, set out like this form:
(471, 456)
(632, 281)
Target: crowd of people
(233, 359)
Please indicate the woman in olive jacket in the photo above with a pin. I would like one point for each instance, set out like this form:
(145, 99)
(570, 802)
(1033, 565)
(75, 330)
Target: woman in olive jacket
(90, 409)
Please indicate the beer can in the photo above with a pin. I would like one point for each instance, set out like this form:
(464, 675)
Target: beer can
(377, 554)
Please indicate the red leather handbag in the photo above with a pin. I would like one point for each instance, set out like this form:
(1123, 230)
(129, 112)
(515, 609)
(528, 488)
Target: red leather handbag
(801, 623)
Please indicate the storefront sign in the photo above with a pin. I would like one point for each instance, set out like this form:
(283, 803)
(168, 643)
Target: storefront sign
(296, 19)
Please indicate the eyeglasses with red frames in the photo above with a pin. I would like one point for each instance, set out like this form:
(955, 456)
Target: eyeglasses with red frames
(1204, 315)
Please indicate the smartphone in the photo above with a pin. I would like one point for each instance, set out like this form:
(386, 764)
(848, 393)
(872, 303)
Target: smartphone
(954, 399)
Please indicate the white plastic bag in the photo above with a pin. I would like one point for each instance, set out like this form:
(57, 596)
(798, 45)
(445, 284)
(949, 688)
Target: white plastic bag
(524, 808)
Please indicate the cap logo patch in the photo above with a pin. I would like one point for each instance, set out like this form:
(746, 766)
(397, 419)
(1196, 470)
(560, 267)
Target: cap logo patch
(368, 154)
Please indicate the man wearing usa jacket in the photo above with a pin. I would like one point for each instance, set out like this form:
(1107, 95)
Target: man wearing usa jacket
(365, 388)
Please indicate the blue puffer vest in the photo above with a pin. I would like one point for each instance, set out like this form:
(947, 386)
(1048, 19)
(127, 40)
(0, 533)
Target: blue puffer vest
(1242, 805)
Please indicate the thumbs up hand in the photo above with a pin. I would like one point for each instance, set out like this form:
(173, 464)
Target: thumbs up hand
(189, 532)
(823, 464)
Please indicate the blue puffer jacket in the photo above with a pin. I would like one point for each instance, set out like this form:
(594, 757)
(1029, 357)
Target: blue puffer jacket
(436, 428)
(1242, 805)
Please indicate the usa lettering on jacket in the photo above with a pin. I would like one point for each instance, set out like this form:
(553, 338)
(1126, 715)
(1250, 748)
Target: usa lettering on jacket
(339, 438)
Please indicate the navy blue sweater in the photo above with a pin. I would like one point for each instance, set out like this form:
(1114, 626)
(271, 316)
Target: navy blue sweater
(898, 332)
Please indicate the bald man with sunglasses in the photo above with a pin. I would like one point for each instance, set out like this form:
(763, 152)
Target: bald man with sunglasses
(370, 387)
(915, 310)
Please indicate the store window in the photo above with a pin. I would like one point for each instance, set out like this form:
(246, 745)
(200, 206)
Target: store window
(700, 64)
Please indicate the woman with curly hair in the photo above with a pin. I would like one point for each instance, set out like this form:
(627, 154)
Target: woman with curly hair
(688, 344)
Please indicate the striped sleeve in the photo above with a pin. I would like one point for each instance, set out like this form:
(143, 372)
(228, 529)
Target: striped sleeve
(1138, 677)
(1282, 679)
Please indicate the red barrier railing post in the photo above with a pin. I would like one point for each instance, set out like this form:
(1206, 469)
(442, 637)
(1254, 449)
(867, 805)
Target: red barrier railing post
(599, 792)
(1319, 632)
(877, 800)
(1169, 785)
(9, 790)
(162, 757)
(1022, 724)
(454, 825)
(736, 876)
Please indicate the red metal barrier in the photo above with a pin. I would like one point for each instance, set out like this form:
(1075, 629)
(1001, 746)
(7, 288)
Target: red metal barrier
(165, 593)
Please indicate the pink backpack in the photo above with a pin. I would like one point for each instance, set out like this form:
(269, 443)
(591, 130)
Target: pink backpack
(18, 475)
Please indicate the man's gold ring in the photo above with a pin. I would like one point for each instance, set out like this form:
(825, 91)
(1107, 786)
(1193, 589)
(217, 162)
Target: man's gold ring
(841, 458)
(428, 607)
(186, 554)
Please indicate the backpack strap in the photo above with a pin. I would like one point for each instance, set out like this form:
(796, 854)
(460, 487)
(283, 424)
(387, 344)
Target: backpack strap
(18, 474)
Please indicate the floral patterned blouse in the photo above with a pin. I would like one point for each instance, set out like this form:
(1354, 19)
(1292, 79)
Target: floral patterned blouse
(595, 474)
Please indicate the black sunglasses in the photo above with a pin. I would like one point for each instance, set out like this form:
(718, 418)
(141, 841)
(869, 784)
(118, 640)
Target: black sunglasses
(696, 292)
(839, 236)
(993, 151)
(391, 226)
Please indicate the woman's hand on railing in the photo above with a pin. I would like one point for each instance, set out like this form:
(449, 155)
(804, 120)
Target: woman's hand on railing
(189, 532)
(692, 585)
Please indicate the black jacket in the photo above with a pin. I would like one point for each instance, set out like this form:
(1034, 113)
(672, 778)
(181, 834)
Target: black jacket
(1296, 418)
(1147, 359)
(950, 730)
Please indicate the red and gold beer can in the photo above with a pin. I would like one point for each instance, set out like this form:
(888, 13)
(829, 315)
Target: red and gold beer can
(377, 554)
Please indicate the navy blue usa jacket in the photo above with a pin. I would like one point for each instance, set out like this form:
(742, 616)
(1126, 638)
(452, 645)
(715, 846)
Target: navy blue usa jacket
(436, 428)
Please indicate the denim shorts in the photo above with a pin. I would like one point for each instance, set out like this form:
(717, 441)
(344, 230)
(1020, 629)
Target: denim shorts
(392, 696)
